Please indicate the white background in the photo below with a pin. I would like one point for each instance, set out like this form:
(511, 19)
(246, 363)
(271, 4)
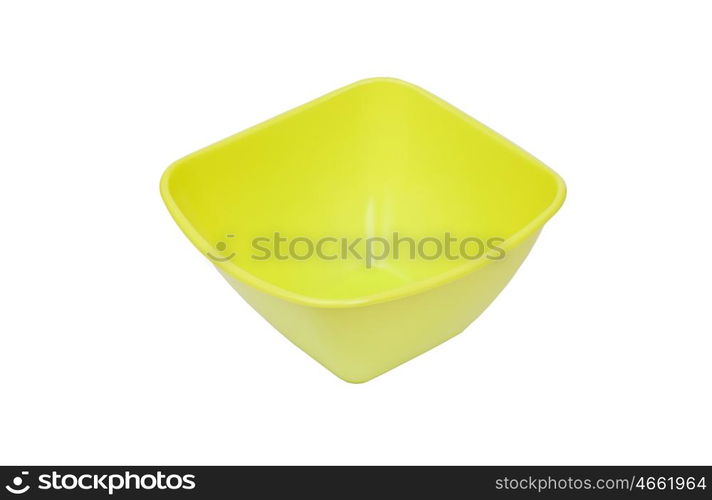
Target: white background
(120, 344)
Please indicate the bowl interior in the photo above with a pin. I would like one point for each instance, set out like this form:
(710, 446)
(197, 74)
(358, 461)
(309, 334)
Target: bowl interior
(376, 158)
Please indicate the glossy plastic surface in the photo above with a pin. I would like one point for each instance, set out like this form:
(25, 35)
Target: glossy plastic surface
(378, 157)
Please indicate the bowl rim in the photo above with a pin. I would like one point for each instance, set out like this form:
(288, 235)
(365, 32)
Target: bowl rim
(233, 270)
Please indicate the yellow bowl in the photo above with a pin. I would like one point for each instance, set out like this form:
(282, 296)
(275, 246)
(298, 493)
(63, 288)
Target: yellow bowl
(368, 225)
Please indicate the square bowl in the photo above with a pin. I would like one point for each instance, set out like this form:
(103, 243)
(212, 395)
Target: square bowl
(368, 225)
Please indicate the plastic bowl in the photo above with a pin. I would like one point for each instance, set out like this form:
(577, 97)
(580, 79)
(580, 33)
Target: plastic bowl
(380, 158)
